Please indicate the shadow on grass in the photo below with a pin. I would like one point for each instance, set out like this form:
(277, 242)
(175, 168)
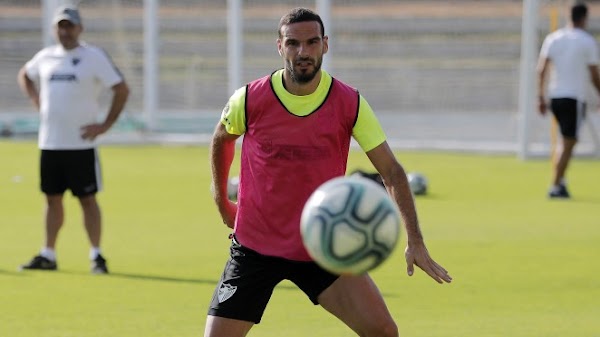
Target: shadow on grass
(160, 278)
(144, 277)
(163, 278)
(183, 280)
(283, 286)
(581, 200)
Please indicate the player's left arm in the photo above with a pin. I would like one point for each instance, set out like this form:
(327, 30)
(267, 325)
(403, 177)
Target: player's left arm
(595, 77)
(593, 58)
(120, 95)
(396, 182)
(108, 73)
(370, 136)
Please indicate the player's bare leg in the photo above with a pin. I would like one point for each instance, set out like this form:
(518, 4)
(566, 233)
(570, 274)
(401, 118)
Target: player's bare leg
(356, 301)
(220, 326)
(92, 219)
(54, 217)
(562, 159)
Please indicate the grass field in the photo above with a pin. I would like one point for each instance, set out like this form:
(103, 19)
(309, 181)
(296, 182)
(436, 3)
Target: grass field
(523, 265)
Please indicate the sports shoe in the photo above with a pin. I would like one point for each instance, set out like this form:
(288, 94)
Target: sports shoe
(40, 263)
(559, 193)
(99, 265)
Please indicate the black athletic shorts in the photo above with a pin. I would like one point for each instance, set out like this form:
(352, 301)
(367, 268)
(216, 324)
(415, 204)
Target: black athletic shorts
(569, 114)
(249, 279)
(76, 170)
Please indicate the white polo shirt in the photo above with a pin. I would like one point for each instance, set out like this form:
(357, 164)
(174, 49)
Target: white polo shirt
(572, 51)
(70, 83)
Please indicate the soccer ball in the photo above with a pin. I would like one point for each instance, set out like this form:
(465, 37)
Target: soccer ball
(350, 225)
(418, 183)
(232, 188)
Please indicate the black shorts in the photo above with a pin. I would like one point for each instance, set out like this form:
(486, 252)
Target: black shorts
(569, 114)
(249, 279)
(76, 170)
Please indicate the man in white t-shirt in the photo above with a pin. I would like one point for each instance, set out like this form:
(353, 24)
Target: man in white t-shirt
(70, 76)
(573, 53)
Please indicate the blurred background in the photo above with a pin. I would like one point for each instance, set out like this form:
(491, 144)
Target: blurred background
(441, 75)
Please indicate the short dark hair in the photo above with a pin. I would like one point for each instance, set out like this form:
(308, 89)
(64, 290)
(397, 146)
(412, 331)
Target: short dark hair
(579, 12)
(300, 14)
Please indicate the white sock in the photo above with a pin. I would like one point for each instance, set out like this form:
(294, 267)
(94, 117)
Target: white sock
(48, 253)
(555, 188)
(94, 252)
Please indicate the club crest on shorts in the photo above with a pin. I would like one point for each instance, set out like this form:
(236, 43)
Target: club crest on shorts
(226, 291)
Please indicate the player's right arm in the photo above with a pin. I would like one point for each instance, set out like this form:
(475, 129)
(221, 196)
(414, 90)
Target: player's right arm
(542, 70)
(28, 87)
(222, 151)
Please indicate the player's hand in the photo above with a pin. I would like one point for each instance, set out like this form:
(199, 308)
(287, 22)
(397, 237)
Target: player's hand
(228, 213)
(417, 254)
(91, 131)
(542, 107)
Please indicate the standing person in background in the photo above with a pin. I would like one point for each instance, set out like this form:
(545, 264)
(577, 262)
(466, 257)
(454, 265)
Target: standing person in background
(573, 54)
(297, 125)
(71, 75)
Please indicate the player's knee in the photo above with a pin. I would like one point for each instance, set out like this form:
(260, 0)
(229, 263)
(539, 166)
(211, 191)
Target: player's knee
(88, 200)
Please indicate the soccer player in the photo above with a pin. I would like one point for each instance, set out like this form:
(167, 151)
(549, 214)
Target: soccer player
(70, 75)
(297, 125)
(573, 53)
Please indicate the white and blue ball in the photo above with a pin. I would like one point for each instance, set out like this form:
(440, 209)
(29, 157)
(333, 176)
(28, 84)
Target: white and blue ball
(350, 225)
